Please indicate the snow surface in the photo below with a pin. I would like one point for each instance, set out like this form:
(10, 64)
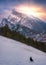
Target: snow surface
(15, 53)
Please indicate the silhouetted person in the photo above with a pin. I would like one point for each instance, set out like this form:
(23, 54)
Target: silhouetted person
(31, 59)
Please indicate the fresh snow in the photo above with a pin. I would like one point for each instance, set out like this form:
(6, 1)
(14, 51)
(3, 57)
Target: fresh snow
(15, 53)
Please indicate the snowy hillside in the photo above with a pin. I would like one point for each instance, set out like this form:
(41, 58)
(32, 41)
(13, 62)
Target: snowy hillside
(15, 53)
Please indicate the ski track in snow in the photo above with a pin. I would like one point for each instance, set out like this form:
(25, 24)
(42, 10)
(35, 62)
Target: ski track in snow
(15, 53)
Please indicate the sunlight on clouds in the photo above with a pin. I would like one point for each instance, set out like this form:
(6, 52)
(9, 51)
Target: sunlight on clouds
(34, 10)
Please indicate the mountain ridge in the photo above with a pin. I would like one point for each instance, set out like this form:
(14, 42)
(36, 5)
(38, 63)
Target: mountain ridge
(28, 26)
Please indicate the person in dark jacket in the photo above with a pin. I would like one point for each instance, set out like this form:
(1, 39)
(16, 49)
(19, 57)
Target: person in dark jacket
(31, 59)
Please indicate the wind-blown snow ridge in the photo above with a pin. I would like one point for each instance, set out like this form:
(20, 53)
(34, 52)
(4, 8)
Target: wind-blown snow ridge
(15, 53)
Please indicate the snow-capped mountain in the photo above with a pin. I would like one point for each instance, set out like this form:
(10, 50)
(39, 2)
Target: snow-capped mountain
(24, 24)
(31, 22)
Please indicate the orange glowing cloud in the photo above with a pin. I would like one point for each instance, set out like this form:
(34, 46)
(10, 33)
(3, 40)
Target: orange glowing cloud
(34, 10)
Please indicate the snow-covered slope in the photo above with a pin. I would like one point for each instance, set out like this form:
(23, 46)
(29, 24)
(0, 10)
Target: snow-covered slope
(15, 53)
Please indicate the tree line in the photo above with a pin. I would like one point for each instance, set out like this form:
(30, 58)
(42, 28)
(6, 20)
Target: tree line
(5, 31)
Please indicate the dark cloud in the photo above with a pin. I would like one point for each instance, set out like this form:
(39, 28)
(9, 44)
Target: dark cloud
(41, 2)
(7, 5)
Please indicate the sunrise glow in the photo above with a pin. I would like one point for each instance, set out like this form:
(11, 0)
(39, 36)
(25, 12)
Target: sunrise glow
(31, 10)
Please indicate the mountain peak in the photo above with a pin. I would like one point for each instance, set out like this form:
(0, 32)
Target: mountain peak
(32, 22)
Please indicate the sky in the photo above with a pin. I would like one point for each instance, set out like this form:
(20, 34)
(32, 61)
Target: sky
(32, 7)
